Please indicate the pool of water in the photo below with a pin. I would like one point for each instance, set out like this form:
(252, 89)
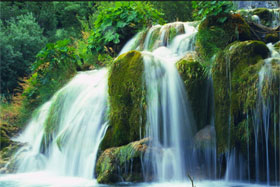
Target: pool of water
(46, 179)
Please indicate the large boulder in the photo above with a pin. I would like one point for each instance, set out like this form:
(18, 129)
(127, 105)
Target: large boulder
(126, 101)
(236, 78)
(119, 164)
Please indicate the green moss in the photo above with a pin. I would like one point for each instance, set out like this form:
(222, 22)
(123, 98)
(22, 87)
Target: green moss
(235, 77)
(195, 80)
(214, 36)
(126, 100)
(113, 163)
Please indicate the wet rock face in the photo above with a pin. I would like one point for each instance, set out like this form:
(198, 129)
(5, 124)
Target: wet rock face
(196, 83)
(119, 164)
(235, 78)
(126, 100)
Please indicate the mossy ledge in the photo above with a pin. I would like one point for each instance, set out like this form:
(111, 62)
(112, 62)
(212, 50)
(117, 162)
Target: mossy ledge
(235, 78)
(126, 100)
(123, 163)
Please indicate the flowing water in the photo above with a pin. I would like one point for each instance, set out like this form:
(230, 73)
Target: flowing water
(77, 111)
(66, 155)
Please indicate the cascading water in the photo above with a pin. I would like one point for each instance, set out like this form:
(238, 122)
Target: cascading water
(266, 110)
(170, 124)
(167, 117)
(77, 112)
(264, 125)
(78, 115)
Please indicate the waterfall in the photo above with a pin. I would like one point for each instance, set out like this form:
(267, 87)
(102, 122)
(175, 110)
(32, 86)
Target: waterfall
(264, 125)
(64, 134)
(265, 109)
(170, 124)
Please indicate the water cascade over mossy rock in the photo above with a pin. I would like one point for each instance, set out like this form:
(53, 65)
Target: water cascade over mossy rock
(214, 36)
(235, 77)
(123, 163)
(126, 101)
(195, 80)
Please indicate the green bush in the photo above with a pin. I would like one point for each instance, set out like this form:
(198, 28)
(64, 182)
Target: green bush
(55, 64)
(117, 22)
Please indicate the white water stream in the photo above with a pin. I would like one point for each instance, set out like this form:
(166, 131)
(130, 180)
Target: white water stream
(80, 107)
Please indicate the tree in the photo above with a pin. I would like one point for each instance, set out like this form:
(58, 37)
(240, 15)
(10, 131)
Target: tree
(20, 39)
(174, 10)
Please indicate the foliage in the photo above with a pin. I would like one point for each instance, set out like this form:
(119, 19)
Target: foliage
(202, 9)
(174, 10)
(55, 64)
(21, 39)
(51, 16)
(116, 22)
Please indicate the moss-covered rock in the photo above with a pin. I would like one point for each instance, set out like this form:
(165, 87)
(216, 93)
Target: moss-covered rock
(195, 80)
(235, 77)
(119, 164)
(214, 36)
(126, 101)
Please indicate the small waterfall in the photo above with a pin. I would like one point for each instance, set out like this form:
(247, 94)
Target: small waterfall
(167, 117)
(264, 125)
(76, 113)
(266, 109)
(169, 121)
(170, 124)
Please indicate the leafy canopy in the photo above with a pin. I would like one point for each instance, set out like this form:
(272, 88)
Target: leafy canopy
(116, 22)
